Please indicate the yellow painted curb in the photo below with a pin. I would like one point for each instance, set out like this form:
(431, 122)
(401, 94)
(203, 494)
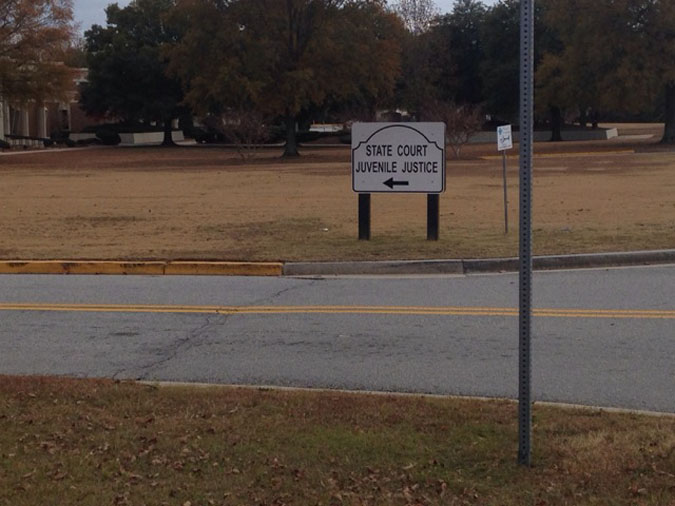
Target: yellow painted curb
(146, 268)
(225, 268)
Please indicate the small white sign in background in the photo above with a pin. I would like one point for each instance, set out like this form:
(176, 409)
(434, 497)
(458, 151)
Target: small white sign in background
(504, 138)
(398, 157)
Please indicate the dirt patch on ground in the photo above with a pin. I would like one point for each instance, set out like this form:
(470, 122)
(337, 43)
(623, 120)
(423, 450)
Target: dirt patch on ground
(207, 203)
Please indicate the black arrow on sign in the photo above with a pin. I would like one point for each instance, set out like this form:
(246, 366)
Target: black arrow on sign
(391, 183)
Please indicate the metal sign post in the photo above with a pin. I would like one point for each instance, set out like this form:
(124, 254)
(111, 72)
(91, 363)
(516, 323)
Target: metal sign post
(433, 216)
(364, 216)
(525, 299)
(506, 196)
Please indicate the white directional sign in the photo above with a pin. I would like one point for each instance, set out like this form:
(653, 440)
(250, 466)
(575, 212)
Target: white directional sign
(504, 138)
(398, 157)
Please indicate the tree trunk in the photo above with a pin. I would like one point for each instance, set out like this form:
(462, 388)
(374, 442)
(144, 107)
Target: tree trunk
(556, 124)
(669, 130)
(168, 133)
(291, 148)
(595, 119)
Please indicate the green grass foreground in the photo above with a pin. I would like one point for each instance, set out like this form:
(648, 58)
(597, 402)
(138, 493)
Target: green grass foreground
(91, 442)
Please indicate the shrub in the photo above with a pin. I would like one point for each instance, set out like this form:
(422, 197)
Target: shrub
(88, 142)
(59, 135)
(108, 136)
(346, 138)
(205, 135)
(309, 136)
(276, 133)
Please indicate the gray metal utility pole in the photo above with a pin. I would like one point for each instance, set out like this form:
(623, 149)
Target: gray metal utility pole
(525, 305)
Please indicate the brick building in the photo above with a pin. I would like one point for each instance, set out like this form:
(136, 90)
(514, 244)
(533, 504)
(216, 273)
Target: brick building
(35, 119)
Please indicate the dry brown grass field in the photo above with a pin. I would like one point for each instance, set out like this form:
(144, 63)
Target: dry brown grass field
(207, 203)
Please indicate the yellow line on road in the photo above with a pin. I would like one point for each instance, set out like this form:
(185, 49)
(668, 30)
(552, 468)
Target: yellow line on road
(390, 310)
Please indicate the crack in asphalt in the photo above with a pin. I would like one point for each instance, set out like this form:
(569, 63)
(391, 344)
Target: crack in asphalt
(193, 339)
(300, 285)
(197, 337)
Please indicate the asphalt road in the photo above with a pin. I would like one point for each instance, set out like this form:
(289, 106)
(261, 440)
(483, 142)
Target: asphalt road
(600, 337)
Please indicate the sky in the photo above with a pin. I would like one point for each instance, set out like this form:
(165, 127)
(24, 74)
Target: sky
(88, 12)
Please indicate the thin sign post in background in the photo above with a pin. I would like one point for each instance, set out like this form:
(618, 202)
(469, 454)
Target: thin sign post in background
(504, 142)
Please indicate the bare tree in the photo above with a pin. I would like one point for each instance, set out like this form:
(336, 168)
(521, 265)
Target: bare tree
(417, 15)
(461, 121)
(244, 128)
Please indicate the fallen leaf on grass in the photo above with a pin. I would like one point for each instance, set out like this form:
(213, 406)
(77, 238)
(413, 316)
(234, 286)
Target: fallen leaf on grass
(48, 446)
(134, 478)
(145, 420)
(638, 491)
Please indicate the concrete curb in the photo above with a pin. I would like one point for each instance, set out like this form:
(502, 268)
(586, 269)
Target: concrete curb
(380, 267)
(581, 261)
(145, 268)
(472, 266)
(412, 395)
(394, 267)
